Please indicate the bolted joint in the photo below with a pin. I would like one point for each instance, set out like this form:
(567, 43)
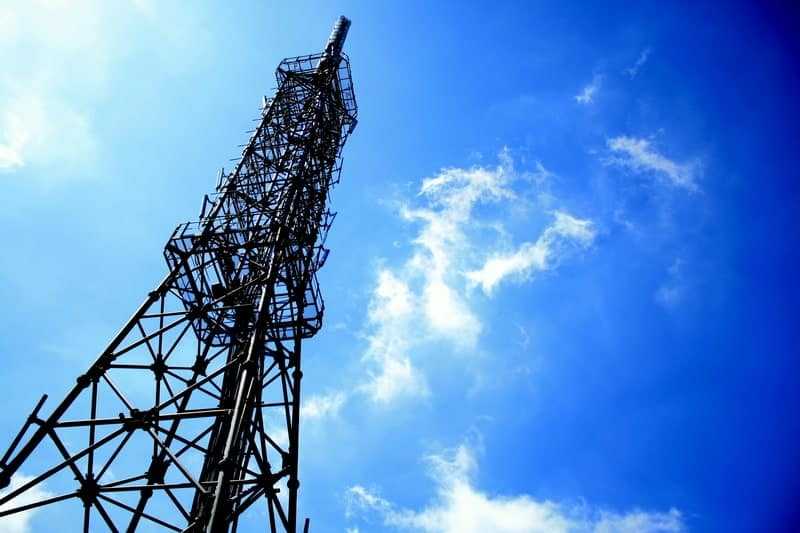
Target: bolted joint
(159, 367)
(267, 480)
(84, 380)
(293, 484)
(88, 490)
(96, 371)
(137, 419)
(200, 365)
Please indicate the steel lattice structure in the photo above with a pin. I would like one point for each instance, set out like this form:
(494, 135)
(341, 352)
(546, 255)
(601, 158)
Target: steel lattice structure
(191, 413)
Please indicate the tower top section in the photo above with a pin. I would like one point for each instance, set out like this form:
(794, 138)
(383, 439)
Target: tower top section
(338, 36)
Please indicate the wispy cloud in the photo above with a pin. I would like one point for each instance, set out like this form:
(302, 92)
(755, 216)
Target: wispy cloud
(21, 522)
(391, 317)
(638, 155)
(36, 125)
(424, 298)
(525, 337)
(587, 94)
(42, 45)
(633, 70)
(543, 254)
(460, 507)
(427, 297)
(322, 405)
(672, 290)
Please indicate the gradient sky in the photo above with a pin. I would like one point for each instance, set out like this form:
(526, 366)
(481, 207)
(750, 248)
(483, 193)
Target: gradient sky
(561, 293)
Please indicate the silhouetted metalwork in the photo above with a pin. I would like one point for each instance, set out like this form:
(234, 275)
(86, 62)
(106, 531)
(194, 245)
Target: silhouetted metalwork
(192, 413)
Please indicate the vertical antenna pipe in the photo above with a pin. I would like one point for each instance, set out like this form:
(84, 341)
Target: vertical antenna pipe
(338, 35)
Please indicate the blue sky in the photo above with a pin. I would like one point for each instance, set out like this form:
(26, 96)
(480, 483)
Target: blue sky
(561, 289)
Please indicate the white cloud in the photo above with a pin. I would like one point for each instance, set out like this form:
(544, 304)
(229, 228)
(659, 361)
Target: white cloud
(31, 127)
(642, 59)
(565, 232)
(587, 94)
(52, 52)
(10, 154)
(443, 244)
(393, 298)
(322, 406)
(397, 377)
(541, 176)
(21, 522)
(390, 315)
(426, 298)
(460, 507)
(640, 522)
(58, 59)
(639, 155)
(542, 179)
(448, 314)
(360, 498)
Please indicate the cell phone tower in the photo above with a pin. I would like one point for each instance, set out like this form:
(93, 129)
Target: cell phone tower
(191, 414)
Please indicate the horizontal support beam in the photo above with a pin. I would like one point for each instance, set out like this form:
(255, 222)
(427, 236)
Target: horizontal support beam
(196, 413)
